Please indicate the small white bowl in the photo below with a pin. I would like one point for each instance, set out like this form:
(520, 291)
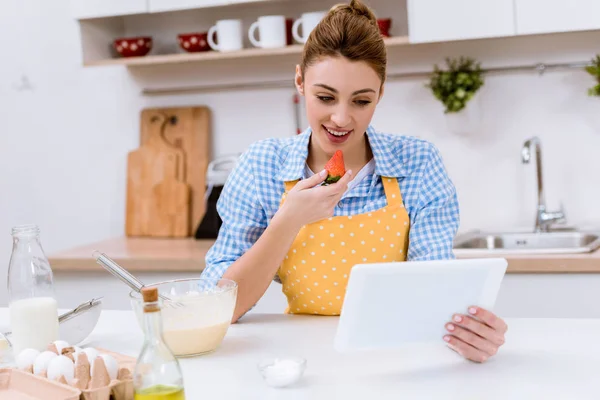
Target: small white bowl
(282, 372)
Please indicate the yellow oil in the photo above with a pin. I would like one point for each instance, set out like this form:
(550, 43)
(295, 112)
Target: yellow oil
(160, 392)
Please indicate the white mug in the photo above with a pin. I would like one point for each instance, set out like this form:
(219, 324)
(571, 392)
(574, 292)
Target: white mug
(229, 33)
(272, 32)
(309, 21)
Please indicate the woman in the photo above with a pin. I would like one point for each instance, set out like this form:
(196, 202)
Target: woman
(280, 222)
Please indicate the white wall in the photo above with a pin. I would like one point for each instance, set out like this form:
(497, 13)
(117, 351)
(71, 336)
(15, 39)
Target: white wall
(64, 140)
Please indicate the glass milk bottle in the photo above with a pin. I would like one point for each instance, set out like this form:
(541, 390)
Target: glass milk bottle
(33, 309)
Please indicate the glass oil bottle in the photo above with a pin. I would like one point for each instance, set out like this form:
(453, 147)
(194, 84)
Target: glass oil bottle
(157, 374)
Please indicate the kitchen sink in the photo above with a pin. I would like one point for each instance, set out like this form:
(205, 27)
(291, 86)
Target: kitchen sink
(527, 243)
(551, 234)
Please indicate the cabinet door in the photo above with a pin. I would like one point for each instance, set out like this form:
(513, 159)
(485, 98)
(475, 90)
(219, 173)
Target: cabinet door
(83, 9)
(545, 16)
(445, 20)
(173, 5)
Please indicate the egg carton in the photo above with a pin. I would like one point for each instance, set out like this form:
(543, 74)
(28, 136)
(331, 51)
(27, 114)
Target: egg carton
(98, 387)
(117, 389)
(20, 385)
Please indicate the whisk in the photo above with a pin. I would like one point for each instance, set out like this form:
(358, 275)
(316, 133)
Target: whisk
(130, 280)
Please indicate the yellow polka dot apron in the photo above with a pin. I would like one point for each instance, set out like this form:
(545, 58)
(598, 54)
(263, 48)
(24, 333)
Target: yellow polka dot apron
(314, 273)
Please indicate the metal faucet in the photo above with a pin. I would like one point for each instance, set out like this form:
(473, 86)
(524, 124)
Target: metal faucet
(544, 219)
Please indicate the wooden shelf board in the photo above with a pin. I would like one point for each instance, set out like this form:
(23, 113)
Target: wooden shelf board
(215, 55)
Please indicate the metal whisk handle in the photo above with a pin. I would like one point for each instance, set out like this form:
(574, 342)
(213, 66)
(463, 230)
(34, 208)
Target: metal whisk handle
(117, 271)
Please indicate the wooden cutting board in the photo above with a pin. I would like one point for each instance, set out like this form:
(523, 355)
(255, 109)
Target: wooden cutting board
(157, 196)
(189, 131)
(157, 127)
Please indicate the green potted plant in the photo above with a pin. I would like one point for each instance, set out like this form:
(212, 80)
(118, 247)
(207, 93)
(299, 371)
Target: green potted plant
(457, 85)
(594, 70)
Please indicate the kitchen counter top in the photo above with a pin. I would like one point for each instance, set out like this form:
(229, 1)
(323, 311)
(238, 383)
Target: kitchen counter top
(548, 263)
(175, 255)
(542, 359)
(137, 254)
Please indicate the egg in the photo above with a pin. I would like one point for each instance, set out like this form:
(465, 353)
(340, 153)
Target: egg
(60, 345)
(26, 358)
(61, 366)
(91, 354)
(112, 366)
(42, 360)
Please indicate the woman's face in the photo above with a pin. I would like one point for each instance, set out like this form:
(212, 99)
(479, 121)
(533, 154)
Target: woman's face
(341, 96)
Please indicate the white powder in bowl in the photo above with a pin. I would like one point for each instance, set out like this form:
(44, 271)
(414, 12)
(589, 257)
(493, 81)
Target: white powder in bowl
(282, 372)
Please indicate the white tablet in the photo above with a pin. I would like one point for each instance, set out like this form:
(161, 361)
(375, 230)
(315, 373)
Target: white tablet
(396, 304)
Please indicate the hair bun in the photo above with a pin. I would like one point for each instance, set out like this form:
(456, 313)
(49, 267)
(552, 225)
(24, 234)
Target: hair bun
(358, 8)
(362, 9)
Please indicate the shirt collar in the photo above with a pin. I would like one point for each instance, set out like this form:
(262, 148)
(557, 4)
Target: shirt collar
(294, 161)
(387, 152)
(388, 158)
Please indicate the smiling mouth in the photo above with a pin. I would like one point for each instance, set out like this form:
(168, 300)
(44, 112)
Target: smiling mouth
(336, 132)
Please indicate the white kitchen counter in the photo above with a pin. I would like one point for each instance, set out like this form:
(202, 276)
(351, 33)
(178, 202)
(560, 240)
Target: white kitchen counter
(542, 359)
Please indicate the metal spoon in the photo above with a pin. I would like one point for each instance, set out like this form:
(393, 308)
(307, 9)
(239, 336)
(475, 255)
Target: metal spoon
(130, 280)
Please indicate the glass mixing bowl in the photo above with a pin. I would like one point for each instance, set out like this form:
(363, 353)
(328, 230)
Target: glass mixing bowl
(200, 322)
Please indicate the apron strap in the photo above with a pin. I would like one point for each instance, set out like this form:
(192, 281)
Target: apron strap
(392, 191)
(289, 185)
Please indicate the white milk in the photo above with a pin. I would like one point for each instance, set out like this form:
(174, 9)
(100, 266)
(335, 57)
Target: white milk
(34, 323)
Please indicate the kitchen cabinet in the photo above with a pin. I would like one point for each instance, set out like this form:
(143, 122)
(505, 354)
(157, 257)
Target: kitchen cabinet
(175, 5)
(546, 16)
(86, 9)
(443, 20)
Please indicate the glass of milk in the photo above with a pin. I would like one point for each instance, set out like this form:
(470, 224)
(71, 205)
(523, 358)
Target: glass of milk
(32, 305)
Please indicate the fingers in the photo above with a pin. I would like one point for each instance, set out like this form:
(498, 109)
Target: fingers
(479, 328)
(340, 186)
(477, 336)
(344, 180)
(489, 318)
(466, 350)
(472, 339)
(312, 181)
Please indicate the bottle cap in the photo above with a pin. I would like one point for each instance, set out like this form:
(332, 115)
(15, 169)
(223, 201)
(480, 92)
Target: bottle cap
(150, 294)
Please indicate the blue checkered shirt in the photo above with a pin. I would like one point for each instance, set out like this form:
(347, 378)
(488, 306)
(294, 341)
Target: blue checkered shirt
(253, 191)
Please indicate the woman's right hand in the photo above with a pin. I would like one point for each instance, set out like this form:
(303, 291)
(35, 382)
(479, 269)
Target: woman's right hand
(306, 203)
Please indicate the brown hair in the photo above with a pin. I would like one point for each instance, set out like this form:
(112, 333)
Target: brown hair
(351, 31)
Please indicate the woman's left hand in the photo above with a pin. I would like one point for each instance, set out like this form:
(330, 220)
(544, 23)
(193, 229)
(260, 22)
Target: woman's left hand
(477, 335)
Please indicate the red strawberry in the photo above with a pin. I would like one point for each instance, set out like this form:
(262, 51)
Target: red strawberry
(335, 168)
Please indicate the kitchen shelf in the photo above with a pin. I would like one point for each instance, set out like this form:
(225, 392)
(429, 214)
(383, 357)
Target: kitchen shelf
(215, 55)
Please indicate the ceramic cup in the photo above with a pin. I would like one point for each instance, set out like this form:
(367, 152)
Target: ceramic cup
(271, 29)
(308, 21)
(384, 26)
(229, 32)
(289, 22)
